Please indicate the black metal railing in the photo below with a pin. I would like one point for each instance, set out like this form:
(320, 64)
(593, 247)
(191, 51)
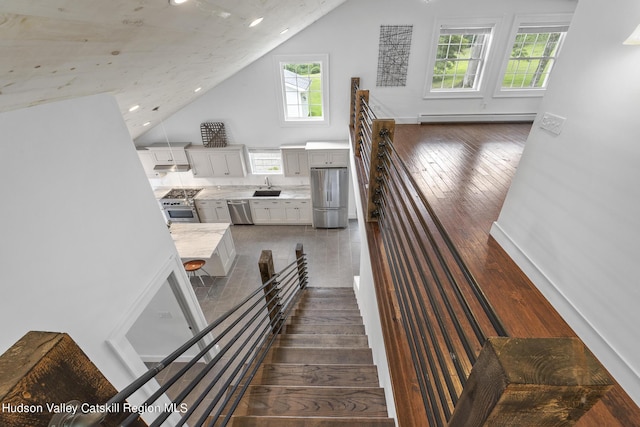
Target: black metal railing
(207, 389)
(445, 314)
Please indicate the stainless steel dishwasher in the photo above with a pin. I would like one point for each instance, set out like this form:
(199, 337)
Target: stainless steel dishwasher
(240, 211)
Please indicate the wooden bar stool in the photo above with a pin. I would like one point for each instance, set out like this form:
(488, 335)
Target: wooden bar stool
(193, 266)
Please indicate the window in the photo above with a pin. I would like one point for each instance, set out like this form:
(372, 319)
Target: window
(533, 55)
(460, 58)
(303, 83)
(265, 161)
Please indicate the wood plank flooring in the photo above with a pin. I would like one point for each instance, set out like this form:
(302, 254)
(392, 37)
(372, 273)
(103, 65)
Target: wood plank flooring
(464, 171)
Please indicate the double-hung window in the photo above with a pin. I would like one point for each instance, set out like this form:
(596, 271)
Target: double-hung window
(460, 58)
(303, 82)
(533, 56)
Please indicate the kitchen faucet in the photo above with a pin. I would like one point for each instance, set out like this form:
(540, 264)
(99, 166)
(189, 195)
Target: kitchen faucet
(266, 181)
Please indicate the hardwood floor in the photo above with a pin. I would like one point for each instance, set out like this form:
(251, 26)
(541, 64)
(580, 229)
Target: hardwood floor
(464, 171)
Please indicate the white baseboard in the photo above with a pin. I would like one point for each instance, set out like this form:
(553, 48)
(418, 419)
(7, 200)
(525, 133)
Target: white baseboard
(626, 376)
(496, 117)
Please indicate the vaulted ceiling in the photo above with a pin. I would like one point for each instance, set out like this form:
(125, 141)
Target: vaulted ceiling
(145, 52)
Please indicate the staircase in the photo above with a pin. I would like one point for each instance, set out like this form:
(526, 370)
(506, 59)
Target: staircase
(320, 371)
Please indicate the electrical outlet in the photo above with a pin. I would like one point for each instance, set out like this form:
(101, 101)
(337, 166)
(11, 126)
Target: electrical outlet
(552, 123)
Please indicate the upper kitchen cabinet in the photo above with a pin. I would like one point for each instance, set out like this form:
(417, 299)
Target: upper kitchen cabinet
(328, 154)
(148, 163)
(162, 157)
(295, 160)
(168, 154)
(225, 162)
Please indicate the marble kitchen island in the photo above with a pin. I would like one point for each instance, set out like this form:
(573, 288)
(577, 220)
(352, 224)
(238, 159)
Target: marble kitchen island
(211, 242)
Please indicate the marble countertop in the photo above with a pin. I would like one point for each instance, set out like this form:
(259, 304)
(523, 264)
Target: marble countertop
(227, 192)
(197, 240)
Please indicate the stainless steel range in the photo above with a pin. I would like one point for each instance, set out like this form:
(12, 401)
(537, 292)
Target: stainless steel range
(178, 205)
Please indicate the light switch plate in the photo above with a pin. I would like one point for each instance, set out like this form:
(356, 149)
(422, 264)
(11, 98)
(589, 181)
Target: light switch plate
(552, 123)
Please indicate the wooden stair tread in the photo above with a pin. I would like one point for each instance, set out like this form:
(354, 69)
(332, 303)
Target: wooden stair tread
(313, 401)
(313, 312)
(321, 340)
(329, 292)
(335, 320)
(317, 375)
(333, 304)
(253, 421)
(325, 356)
(319, 371)
(324, 329)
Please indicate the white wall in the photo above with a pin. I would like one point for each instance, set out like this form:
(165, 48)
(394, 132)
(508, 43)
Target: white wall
(364, 288)
(83, 236)
(159, 327)
(247, 102)
(571, 217)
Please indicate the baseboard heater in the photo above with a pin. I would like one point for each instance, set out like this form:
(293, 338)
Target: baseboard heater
(499, 117)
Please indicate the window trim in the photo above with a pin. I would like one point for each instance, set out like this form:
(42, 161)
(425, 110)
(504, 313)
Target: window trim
(540, 20)
(251, 151)
(479, 91)
(323, 59)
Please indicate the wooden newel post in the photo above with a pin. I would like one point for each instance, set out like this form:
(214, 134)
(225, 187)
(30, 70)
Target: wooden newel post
(302, 268)
(381, 131)
(271, 291)
(531, 382)
(42, 373)
(355, 85)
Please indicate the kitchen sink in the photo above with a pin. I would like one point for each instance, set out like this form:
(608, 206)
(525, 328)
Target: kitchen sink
(266, 193)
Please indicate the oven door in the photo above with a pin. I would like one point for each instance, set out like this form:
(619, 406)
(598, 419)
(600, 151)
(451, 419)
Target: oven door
(181, 214)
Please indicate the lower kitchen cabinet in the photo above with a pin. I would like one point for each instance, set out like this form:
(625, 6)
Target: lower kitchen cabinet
(213, 211)
(222, 259)
(281, 211)
(297, 211)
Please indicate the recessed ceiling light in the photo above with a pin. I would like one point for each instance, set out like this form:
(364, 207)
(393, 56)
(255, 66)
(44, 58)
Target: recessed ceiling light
(146, 123)
(133, 108)
(198, 89)
(256, 22)
(284, 31)
(177, 2)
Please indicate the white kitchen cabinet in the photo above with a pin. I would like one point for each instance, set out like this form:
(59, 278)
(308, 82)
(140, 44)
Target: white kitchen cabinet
(328, 154)
(172, 153)
(297, 211)
(324, 158)
(149, 163)
(285, 211)
(226, 162)
(223, 256)
(213, 211)
(259, 212)
(267, 212)
(295, 161)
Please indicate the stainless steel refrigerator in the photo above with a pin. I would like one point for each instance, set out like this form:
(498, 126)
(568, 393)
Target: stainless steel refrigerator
(330, 197)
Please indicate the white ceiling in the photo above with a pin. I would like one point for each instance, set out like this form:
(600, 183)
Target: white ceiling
(144, 52)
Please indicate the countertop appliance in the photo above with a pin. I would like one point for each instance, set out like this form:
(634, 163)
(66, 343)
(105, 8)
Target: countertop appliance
(240, 211)
(178, 205)
(330, 197)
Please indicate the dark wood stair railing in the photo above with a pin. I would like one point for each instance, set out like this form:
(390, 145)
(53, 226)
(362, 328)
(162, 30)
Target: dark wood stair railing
(48, 368)
(451, 360)
(312, 367)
